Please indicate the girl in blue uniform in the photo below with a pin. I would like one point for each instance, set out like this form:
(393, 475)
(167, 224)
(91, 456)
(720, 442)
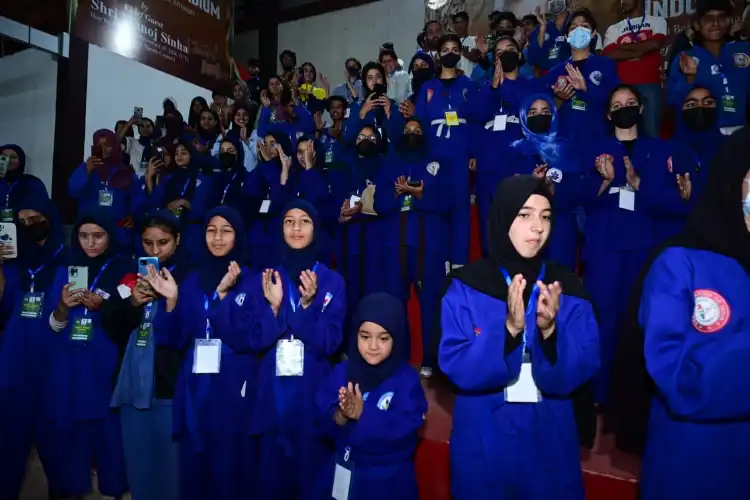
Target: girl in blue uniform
(230, 183)
(331, 140)
(312, 186)
(214, 393)
(582, 84)
(79, 428)
(291, 318)
(24, 311)
(546, 155)
(290, 117)
(272, 185)
(519, 336)
(621, 198)
(415, 216)
(445, 105)
(17, 184)
(148, 374)
(694, 314)
(372, 407)
(104, 184)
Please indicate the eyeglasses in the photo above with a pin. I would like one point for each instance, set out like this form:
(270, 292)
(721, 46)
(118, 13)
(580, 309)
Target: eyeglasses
(363, 137)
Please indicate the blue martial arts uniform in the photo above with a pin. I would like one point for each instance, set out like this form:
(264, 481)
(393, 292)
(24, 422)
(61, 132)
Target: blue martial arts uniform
(553, 51)
(388, 127)
(291, 449)
(726, 76)
(619, 232)
(212, 403)
(584, 116)
(446, 109)
(24, 312)
(303, 124)
(17, 185)
(333, 150)
(378, 447)
(79, 429)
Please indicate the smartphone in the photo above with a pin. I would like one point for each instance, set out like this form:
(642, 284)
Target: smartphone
(415, 184)
(96, 151)
(160, 123)
(159, 153)
(380, 89)
(4, 163)
(144, 262)
(9, 238)
(79, 276)
(138, 112)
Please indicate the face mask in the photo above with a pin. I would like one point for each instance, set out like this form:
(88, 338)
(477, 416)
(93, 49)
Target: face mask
(34, 233)
(626, 117)
(413, 142)
(509, 61)
(699, 119)
(450, 60)
(227, 160)
(367, 149)
(746, 203)
(539, 124)
(353, 71)
(419, 76)
(556, 7)
(580, 38)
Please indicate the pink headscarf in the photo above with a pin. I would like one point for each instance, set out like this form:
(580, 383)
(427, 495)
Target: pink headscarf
(113, 171)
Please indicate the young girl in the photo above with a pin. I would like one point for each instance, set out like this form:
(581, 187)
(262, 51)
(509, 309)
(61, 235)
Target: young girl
(372, 407)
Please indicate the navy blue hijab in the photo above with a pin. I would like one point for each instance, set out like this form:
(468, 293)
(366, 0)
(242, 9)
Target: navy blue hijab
(178, 260)
(184, 178)
(390, 313)
(212, 269)
(32, 255)
(117, 267)
(294, 261)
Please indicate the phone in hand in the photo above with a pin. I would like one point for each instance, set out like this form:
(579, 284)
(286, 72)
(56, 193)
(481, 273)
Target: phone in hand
(9, 238)
(96, 151)
(138, 112)
(4, 164)
(380, 89)
(144, 262)
(415, 184)
(159, 153)
(79, 276)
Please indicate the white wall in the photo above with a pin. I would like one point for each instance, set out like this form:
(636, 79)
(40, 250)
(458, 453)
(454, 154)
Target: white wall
(328, 40)
(116, 85)
(28, 96)
(246, 46)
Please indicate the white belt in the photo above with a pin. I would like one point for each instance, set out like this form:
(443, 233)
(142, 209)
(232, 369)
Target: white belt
(441, 123)
(730, 130)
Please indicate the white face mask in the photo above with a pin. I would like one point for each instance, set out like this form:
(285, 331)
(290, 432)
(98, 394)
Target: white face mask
(580, 38)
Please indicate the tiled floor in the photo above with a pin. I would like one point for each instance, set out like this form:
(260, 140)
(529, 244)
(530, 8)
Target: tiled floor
(35, 487)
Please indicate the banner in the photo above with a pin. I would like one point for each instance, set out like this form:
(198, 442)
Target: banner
(49, 16)
(188, 39)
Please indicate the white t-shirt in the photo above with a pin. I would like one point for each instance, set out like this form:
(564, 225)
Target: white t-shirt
(470, 43)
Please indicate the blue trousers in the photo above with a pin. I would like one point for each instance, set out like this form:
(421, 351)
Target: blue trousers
(151, 457)
(69, 453)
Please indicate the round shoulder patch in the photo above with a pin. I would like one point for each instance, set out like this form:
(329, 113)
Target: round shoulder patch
(554, 175)
(433, 168)
(596, 77)
(741, 60)
(670, 167)
(385, 401)
(711, 312)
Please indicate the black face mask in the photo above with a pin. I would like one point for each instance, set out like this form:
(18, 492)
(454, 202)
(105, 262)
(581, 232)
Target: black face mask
(227, 160)
(626, 117)
(699, 119)
(353, 71)
(34, 233)
(419, 77)
(509, 61)
(367, 149)
(539, 124)
(450, 60)
(413, 142)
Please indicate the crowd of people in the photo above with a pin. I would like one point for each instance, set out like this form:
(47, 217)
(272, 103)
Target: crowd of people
(229, 317)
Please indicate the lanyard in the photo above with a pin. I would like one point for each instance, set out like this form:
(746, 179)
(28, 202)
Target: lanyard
(185, 187)
(112, 174)
(724, 80)
(7, 195)
(205, 308)
(532, 299)
(36, 271)
(291, 293)
(630, 26)
(96, 280)
(223, 196)
(697, 159)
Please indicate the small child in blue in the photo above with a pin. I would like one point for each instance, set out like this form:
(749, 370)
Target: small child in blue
(372, 407)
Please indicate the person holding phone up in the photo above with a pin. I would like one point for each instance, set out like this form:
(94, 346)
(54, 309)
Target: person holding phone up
(15, 183)
(25, 287)
(78, 426)
(103, 183)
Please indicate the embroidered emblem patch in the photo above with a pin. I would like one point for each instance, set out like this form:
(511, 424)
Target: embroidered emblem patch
(385, 401)
(711, 312)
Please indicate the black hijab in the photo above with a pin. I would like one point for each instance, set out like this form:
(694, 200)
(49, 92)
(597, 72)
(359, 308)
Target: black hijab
(212, 269)
(294, 261)
(717, 225)
(44, 258)
(117, 266)
(485, 276)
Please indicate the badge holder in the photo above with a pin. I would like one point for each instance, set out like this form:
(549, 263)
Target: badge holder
(290, 358)
(265, 206)
(500, 123)
(406, 203)
(6, 215)
(105, 197)
(451, 118)
(342, 478)
(729, 104)
(207, 356)
(83, 329)
(329, 156)
(523, 389)
(32, 306)
(577, 104)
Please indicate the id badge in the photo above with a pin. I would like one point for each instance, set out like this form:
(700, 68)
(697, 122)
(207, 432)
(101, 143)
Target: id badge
(32, 305)
(82, 329)
(329, 156)
(451, 118)
(290, 358)
(177, 212)
(406, 203)
(105, 198)
(524, 389)
(553, 53)
(626, 199)
(143, 333)
(144, 165)
(6, 215)
(501, 121)
(729, 104)
(265, 206)
(342, 478)
(207, 356)
(577, 104)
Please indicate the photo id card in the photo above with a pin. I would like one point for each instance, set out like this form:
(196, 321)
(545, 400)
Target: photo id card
(207, 356)
(290, 358)
(524, 389)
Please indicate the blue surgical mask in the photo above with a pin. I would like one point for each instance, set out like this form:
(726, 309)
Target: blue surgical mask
(580, 38)
(746, 202)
